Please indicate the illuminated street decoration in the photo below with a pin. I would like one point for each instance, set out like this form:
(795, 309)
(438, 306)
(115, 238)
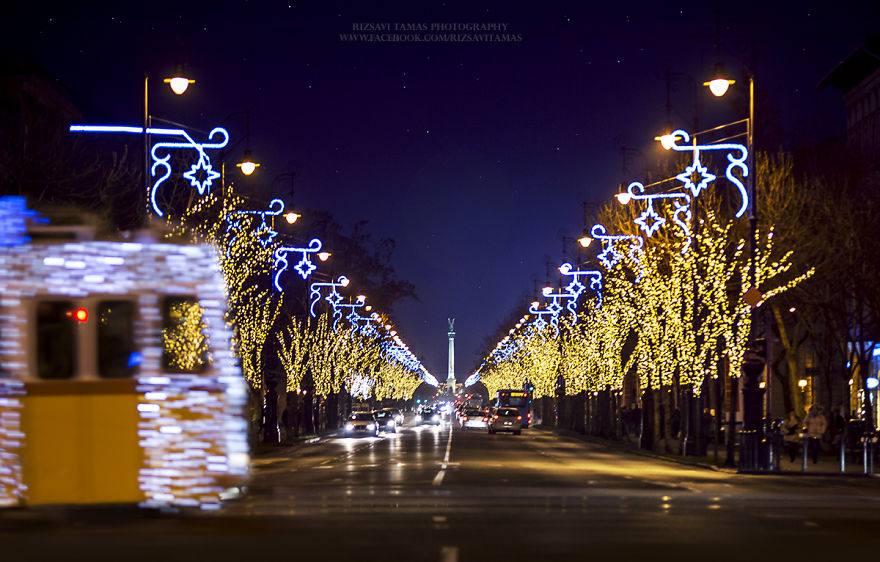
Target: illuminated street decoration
(609, 256)
(539, 323)
(736, 158)
(333, 297)
(650, 222)
(264, 234)
(201, 174)
(576, 288)
(304, 267)
(353, 317)
(472, 380)
(14, 215)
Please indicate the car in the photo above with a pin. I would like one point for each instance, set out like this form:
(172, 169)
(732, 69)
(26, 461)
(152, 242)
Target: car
(385, 420)
(474, 417)
(505, 419)
(361, 423)
(429, 415)
(397, 415)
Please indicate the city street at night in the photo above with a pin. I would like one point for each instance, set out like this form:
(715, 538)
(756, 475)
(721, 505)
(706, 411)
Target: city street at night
(421, 495)
(440, 280)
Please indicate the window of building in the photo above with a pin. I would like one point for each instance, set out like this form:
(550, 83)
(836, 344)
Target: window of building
(184, 336)
(117, 356)
(56, 340)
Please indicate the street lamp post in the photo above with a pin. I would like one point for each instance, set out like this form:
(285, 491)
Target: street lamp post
(178, 83)
(753, 365)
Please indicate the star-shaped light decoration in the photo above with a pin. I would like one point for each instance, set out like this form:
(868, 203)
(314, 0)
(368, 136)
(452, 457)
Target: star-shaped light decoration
(539, 323)
(609, 256)
(265, 235)
(554, 307)
(305, 267)
(649, 220)
(203, 164)
(696, 171)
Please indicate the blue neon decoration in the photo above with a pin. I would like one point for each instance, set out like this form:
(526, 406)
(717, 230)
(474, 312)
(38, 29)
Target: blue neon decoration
(734, 163)
(202, 166)
(333, 297)
(650, 222)
(264, 233)
(13, 220)
(304, 267)
(472, 380)
(609, 256)
(576, 288)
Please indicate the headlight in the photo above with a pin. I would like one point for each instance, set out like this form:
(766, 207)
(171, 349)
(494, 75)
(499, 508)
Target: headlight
(349, 426)
(371, 426)
(419, 417)
(436, 417)
(390, 423)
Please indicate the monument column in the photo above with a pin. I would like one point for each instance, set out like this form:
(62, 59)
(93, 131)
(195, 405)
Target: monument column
(450, 377)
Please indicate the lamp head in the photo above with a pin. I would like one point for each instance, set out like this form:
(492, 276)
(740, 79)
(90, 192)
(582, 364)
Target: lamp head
(584, 240)
(324, 256)
(179, 81)
(291, 217)
(623, 197)
(719, 83)
(247, 165)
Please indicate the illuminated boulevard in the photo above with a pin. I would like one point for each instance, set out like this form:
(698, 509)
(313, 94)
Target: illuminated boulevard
(537, 496)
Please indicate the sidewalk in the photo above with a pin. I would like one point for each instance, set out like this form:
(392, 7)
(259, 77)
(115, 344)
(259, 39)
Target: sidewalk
(827, 466)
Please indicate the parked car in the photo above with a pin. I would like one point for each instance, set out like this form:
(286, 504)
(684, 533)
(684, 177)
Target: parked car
(385, 420)
(505, 419)
(361, 423)
(474, 417)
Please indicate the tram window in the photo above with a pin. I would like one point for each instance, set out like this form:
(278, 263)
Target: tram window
(184, 336)
(117, 357)
(56, 340)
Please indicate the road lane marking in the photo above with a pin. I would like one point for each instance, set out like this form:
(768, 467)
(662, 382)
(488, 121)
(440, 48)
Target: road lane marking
(439, 478)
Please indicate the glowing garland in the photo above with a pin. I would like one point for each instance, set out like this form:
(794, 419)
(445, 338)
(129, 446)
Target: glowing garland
(202, 166)
(304, 267)
(264, 234)
(734, 163)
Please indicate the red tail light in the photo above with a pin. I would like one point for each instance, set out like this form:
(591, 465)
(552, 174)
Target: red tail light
(519, 418)
(485, 419)
(530, 414)
(495, 417)
(463, 418)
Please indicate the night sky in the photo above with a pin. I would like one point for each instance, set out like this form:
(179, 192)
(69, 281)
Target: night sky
(474, 156)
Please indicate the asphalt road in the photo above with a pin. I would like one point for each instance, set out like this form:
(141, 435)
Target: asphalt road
(432, 493)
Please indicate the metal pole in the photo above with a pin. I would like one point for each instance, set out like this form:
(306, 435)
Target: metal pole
(806, 442)
(144, 198)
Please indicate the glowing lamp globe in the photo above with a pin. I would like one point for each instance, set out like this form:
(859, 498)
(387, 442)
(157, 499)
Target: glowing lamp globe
(361, 298)
(344, 282)
(247, 166)
(179, 84)
(666, 141)
(719, 86)
(291, 217)
(584, 241)
(802, 383)
(324, 256)
(623, 197)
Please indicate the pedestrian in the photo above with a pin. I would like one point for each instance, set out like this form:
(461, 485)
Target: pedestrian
(815, 425)
(790, 434)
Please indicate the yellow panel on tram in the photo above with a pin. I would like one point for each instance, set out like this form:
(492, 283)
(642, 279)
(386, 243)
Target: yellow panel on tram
(80, 446)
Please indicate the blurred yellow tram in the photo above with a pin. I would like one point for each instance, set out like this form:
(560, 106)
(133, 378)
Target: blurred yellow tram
(117, 379)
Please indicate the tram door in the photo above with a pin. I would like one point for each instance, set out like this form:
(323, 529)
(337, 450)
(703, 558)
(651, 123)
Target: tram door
(79, 415)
